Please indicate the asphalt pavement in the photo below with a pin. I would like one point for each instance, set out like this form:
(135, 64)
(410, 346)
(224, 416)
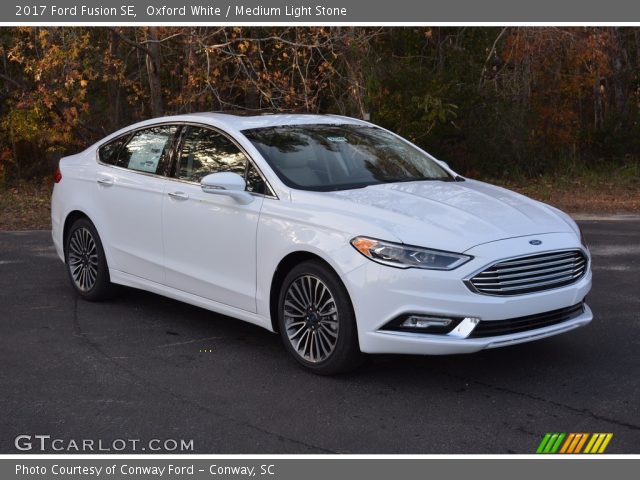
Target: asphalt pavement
(143, 367)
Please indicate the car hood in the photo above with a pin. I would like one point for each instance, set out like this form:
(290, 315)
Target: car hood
(451, 216)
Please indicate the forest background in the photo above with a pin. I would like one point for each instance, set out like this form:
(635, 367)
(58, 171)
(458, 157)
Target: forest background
(551, 112)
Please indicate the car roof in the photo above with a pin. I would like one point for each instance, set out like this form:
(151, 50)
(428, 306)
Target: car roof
(243, 120)
(238, 121)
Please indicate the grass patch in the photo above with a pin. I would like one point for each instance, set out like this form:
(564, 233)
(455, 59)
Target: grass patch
(604, 189)
(27, 205)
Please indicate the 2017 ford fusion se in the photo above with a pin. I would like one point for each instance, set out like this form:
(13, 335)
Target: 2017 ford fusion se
(340, 235)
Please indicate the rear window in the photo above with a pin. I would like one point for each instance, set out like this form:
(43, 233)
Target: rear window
(145, 150)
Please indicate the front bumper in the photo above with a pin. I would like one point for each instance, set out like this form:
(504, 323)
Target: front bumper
(380, 294)
(385, 341)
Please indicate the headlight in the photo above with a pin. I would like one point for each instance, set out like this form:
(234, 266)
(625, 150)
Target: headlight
(407, 256)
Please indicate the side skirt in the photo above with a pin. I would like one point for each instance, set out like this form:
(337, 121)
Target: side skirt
(128, 280)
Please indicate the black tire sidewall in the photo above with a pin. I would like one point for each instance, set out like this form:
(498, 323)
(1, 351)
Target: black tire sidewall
(102, 288)
(346, 354)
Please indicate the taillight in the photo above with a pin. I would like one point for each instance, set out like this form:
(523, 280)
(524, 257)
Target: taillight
(57, 175)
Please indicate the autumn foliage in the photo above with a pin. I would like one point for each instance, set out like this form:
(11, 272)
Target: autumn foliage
(488, 100)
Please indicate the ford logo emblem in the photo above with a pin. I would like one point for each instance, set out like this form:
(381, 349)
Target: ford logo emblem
(535, 242)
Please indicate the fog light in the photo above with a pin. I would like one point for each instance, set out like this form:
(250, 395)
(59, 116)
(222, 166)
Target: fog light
(415, 321)
(423, 323)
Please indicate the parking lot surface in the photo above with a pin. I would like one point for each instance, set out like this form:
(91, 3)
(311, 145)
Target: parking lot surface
(144, 367)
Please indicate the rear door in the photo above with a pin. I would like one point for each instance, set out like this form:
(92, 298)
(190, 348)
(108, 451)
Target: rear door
(130, 188)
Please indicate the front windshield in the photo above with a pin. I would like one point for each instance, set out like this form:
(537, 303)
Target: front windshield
(340, 157)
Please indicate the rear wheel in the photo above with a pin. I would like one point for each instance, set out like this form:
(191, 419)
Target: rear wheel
(86, 261)
(316, 320)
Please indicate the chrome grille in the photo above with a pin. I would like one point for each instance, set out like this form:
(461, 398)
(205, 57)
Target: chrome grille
(533, 273)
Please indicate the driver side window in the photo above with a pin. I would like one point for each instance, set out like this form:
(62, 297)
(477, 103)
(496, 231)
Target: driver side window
(205, 151)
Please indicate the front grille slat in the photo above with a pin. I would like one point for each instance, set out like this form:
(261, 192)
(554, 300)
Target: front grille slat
(528, 287)
(493, 328)
(538, 275)
(534, 258)
(506, 272)
(529, 278)
(531, 273)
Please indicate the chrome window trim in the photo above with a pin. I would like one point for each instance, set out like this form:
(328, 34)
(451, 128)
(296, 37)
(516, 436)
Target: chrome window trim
(272, 193)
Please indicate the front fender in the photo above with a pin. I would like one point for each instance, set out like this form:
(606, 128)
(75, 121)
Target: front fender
(282, 230)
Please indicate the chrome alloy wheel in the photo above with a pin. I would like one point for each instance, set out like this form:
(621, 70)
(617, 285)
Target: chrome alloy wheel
(311, 318)
(83, 259)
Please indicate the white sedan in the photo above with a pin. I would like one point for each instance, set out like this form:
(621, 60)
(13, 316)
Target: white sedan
(338, 234)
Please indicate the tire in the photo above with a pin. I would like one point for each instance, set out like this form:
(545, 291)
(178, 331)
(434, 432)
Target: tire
(86, 262)
(316, 320)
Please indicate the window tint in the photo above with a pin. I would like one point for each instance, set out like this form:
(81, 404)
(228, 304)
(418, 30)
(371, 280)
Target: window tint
(148, 150)
(109, 153)
(206, 151)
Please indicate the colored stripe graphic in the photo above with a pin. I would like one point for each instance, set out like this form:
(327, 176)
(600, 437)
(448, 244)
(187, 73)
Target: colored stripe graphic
(576, 439)
(581, 443)
(567, 443)
(598, 442)
(556, 445)
(604, 445)
(574, 443)
(550, 443)
(543, 443)
(591, 442)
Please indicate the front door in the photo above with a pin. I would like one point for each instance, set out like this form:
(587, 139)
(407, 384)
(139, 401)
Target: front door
(210, 240)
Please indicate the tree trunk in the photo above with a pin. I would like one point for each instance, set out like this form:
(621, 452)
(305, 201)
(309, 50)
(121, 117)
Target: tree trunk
(113, 85)
(251, 94)
(619, 60)
(153, 71)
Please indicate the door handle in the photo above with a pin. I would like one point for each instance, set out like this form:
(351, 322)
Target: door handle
(106, 182)
(179, 195)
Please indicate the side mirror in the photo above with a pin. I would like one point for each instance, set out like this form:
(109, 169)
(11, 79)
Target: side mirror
(229, 184)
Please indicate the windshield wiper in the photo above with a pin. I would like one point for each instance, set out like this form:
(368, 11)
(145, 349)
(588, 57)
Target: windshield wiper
(423, 179)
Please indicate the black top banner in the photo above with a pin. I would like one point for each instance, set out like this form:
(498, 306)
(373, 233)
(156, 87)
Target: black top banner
(316, 11)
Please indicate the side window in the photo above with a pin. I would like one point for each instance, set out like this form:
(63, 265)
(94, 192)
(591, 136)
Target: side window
(255, 183)
(206, 151)
(148, 150)
(109, 153)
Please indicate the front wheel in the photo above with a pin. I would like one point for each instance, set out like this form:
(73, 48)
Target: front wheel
(86, 261)
(316, 320)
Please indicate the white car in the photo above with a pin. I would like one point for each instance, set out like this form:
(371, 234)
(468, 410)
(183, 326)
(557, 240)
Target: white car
(338, 234)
